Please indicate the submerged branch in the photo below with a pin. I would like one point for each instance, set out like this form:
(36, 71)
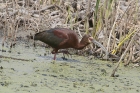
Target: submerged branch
(14, 58)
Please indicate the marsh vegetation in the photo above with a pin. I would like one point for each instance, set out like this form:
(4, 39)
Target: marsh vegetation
(113, 23)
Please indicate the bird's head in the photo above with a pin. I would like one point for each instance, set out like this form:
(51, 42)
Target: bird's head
(87, 39)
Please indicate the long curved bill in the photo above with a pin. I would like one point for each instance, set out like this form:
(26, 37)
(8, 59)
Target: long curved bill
(101, 46)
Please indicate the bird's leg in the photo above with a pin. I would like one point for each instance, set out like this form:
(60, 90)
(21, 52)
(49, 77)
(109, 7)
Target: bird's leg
(54, 56)
(63, 43)
(64, 51)
(54, 52)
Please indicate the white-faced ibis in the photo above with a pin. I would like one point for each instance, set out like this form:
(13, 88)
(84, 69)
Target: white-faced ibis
(62, 38)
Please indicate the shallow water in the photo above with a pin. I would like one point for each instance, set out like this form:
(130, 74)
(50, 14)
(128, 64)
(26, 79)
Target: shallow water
(75, 75)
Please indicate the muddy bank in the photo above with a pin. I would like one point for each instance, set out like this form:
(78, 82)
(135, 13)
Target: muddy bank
(75, 75)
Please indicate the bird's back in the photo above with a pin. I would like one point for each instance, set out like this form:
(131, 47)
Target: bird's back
(54, 37)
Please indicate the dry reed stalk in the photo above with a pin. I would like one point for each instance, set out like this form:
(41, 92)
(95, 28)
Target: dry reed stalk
(95, 19)
(130, 56)
(112, 29)
(45, 13)
(122, 56)
(136, 60)
(87, 19)
(125, 38)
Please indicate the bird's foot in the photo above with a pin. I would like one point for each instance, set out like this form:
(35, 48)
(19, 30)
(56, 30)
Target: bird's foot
(65, 52)
(64, 58)
(53, 61)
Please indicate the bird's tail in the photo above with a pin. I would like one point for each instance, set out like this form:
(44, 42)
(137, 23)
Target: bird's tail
(30, 37)
(37, 36)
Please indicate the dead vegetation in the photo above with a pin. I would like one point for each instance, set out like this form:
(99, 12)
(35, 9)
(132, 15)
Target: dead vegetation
(113, 23)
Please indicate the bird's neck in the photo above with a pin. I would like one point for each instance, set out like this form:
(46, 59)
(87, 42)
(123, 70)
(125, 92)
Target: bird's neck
(81, 45)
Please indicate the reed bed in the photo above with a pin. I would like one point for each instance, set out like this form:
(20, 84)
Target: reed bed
(113, 23)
